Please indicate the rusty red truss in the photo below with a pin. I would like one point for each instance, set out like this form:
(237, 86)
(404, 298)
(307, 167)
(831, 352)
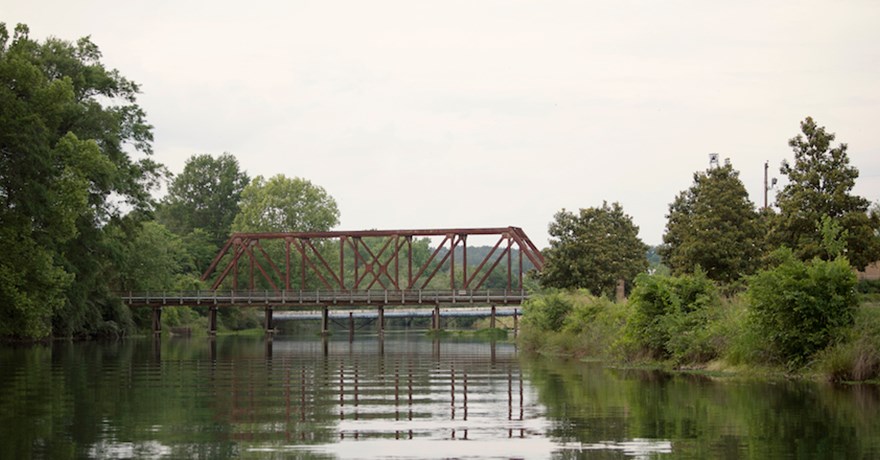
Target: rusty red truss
(369, 260)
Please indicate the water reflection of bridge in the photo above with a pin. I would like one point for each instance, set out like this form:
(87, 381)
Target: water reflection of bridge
(316, 391)
(370, 269)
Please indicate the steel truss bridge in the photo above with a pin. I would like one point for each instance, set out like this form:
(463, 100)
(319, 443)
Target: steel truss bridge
(369, 268)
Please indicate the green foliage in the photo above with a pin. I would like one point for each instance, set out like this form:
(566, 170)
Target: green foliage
(800, 307)
(152, 260)
(204, 197)
(593, 250)
(547, 312)
(572, 323)
(857, 356)
(68, 128)
(820, 185)
(713, 225)
(282, 204)
(833, 237)
(670, 318)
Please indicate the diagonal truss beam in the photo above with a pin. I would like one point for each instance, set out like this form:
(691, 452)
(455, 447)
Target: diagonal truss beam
(387, 262)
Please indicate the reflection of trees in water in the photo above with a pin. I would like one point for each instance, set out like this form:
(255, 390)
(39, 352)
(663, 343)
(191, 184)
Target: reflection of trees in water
(704, 417)
(198, 398)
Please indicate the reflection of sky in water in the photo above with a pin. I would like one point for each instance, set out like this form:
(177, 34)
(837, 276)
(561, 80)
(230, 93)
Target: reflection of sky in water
(145, 449)
(536, 447)
(406, 397)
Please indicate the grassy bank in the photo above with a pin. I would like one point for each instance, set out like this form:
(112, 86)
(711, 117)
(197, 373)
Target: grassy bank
(678, 324)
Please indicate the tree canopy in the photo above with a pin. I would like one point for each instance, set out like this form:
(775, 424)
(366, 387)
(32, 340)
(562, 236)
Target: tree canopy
(282, 204)
(820, 184)
(714, 225)
(593, 250)
(74, 152)
(204, 196)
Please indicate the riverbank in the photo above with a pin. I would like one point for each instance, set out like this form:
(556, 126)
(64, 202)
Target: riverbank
(721, 342)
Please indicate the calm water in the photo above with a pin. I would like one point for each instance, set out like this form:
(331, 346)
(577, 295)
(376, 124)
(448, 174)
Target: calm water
(404, 397)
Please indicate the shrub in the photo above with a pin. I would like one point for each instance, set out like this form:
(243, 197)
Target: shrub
(670, 318)
(856, 358)
(800, 308)
(547, 312)
(572, 323)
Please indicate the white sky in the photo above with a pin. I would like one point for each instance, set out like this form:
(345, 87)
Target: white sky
(418, 114)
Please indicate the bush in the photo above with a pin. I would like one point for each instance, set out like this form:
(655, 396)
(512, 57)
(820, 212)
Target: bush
(856, 358)
(547, 312)
(800, 308)
(670, 318)
(869, 286)
(572, 323)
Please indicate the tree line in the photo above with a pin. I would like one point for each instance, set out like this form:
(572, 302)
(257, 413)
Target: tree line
(735, 284)
(80, 222)
(714, 227)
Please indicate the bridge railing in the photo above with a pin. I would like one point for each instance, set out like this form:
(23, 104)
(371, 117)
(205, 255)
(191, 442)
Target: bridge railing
(243, 298)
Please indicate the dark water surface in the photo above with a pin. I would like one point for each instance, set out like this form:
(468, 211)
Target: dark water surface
(402, 397)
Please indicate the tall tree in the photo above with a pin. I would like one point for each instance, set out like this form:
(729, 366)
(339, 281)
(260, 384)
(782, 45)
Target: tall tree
(204, 196)
(593, 250)
(69, 128)
(283, 204)
(714, 225)
(820, 184)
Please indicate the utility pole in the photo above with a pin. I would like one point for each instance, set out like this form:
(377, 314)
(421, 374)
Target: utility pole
(767, 186)
(766, 167)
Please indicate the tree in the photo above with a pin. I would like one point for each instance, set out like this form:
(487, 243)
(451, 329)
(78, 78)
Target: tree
(593, 250)
(68, 130)
(204, 196)
(820, 184)
(281, 204)
(713, 225)
(152, 260)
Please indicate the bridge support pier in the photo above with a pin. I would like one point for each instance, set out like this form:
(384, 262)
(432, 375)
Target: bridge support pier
(157, 320)
(435, 318)
(269, 326)
(492, 318)
(212, 321)
(381, 320)
(515, 321)
(350, 326)
(325, 320)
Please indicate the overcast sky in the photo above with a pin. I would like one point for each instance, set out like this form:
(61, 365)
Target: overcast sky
(437, 114)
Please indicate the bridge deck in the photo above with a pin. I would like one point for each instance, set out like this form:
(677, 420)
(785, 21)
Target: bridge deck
(456, 312)
(326, 298)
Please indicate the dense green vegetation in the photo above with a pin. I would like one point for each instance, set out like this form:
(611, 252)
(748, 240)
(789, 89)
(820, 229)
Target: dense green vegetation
(75, 182)
(820, 185)
(593, 250)
(714, 225)
(761, 290)
(791, 322)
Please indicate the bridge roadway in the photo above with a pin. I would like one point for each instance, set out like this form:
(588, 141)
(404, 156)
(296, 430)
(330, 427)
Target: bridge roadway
(313, 298)
(425, 300)
(457, 312)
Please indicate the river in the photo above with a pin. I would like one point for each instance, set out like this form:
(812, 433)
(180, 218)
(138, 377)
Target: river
(406, 396)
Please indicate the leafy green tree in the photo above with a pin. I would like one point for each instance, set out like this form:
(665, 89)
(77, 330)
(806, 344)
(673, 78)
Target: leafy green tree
(68, 130)
(713, 225)
(802, 307)
(204, 196)
(283, 204)
(820, 184)
(593, 250)
(153, 259)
